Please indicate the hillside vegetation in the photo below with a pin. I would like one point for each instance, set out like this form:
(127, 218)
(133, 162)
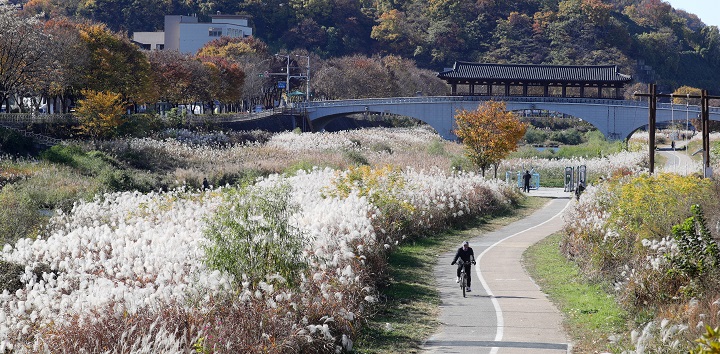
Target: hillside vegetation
(647, 38)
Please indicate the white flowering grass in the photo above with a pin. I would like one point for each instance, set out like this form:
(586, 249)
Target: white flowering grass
(130, 259)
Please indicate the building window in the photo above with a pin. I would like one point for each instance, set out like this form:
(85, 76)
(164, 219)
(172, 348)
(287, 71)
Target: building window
(215, 32)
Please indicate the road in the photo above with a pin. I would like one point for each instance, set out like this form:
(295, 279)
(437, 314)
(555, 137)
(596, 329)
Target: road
(679, 160)
(506, 312)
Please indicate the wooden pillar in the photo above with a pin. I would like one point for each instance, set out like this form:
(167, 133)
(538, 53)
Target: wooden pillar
(582, 91)
(705, 123)
(472, 89)
(489, 90)
(599, 91)
(453, 89)
(546, 91)
(507, 89)
(564, 91)
(525, 90)
(651, 125)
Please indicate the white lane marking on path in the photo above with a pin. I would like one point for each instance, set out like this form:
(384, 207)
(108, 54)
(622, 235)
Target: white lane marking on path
(498, 311)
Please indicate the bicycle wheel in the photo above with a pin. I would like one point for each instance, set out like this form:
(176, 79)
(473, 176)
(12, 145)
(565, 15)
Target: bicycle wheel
(463, 282)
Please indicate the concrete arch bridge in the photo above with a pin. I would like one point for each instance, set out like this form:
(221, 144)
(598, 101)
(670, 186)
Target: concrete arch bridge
(616, 119)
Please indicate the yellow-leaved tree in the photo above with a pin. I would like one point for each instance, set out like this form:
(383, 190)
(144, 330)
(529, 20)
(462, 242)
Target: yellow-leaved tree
(489, 133)
(100, 113)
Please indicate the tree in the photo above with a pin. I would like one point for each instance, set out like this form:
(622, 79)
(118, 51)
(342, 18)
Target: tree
(116, 64)
(22, 51)
(489, 133)
(682, 93)
(227, 77)
(100, 113)
(174, 75)
(72, 57)
(233, 48)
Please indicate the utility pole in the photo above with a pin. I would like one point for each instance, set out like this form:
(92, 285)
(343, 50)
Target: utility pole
(287, 76)
(704, 124)
(307, 77)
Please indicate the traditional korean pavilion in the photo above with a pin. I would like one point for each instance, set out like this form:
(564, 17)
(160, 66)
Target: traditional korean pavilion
(479, 79)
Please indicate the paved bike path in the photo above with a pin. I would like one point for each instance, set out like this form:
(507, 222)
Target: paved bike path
(506, 312)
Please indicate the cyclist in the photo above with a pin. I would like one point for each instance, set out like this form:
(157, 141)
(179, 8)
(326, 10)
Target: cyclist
(468, 256)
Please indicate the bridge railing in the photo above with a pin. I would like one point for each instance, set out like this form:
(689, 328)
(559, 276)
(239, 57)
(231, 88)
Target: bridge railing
(442, 99)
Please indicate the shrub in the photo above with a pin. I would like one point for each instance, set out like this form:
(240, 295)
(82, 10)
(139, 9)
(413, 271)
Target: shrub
(141, 125)
(10, 276)
(709, 343)
(303, 165)
(436, 147)
(698, 253)
(252, 238)
(381, 187)
(15, 144)
(535, 136)
(607, 233)
(100, 113)
(89, 163)
(355, 157)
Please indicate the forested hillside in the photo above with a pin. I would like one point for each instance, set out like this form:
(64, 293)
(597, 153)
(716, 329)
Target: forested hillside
(648, 38)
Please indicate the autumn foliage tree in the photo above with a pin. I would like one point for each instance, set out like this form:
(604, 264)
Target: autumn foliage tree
(100, 113)
(489, 133)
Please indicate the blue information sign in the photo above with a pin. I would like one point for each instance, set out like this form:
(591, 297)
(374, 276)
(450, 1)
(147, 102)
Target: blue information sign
(281, 84)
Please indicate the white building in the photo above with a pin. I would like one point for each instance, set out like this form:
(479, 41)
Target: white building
(186, 35)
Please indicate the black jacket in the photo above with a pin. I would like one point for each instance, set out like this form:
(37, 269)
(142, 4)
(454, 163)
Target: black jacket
(466, 256)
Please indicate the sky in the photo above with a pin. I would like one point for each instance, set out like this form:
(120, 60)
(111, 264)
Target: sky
(707, 10)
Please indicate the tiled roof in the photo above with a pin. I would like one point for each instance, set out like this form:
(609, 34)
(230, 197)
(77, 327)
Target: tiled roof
(537, 73)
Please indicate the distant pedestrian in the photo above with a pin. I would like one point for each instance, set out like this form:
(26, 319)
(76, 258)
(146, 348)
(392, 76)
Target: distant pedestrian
(526, 181)
(206, 185)
(579, 190)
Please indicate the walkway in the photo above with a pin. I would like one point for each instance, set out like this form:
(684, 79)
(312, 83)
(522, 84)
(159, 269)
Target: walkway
(506, 312)
(679, 160)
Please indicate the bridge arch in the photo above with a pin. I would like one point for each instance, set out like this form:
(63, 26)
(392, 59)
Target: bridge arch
(616, 119)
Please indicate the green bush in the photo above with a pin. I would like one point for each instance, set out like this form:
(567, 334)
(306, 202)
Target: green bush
(90, 163)
(20, 217)
(381, 147)
(355, 157)
(709, 343)
(15, 144)
(304, 165)
(141, 125)
(535, 136)
(437, 148)
(698, 253)
(461, 163)
(10, 274)
(176, 118)
(252, 239)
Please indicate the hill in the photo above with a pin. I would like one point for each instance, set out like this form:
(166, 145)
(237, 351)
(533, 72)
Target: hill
(647, 38)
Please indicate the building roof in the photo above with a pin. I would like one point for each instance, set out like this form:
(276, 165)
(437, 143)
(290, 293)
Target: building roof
(536, 73)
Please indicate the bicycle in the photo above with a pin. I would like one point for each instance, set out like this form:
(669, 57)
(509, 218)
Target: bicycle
(463, 275)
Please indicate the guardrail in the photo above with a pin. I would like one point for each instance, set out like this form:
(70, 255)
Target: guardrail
(37, 118)
(41, 139)
(442, 99)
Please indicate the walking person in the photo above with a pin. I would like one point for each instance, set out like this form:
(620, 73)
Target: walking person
(468, 256)
(526, 181)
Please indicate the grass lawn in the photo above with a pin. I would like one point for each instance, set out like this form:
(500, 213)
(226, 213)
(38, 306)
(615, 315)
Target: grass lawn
(409, 305)
(591, 313)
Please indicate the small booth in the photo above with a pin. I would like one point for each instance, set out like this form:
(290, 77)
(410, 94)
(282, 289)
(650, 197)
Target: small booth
(534, 179)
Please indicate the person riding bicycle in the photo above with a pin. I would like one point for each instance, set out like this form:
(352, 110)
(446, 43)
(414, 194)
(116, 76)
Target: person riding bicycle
(468, 256)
